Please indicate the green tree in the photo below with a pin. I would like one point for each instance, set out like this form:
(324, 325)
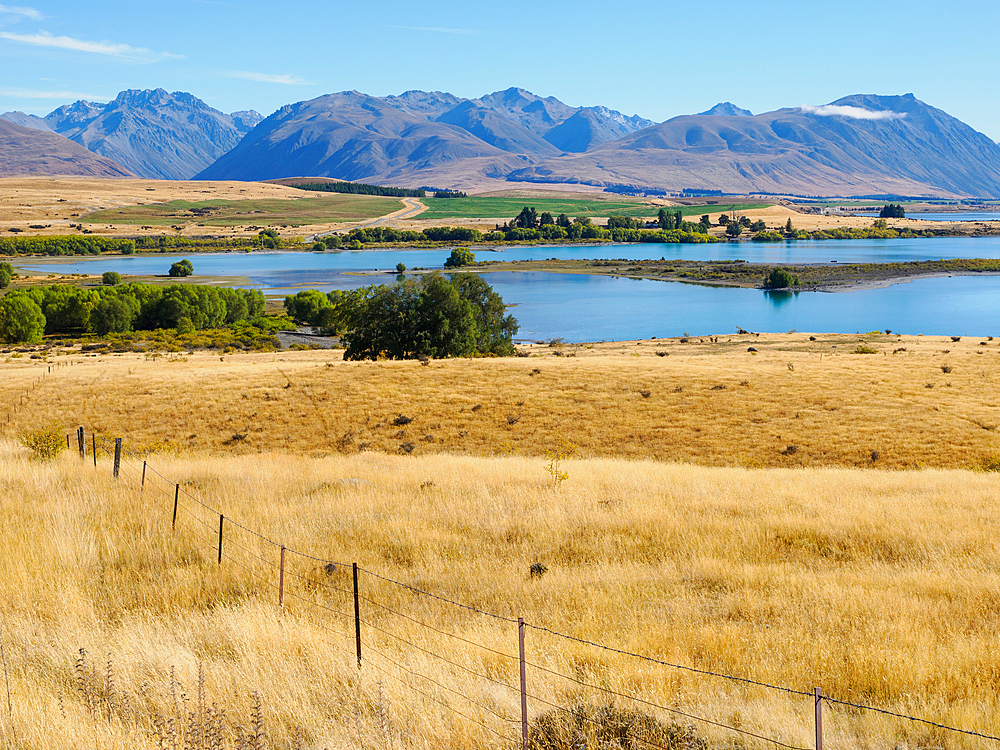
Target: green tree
(182, 268)
(527, 219)
(495, 329)
(779, 278)
(545, 218)
(400, 268)
(733, 229)
(758, 226)
(723, 220)
(21, 319)
(269, 238)
(6, 274)
(563, 221)
(460, 256)
(705, 221)
(430, 316)
(319, 247)
(307, 306)
(622, 222)
(745, 222)
(789, 229)
(112, 315)
(111, 278)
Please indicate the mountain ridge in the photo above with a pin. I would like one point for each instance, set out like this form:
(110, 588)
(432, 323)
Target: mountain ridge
(31, 151)
(154, 133)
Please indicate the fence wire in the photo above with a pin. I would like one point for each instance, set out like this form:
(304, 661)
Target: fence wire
(152, 472)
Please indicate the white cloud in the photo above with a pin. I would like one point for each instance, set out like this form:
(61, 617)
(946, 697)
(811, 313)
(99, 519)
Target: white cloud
(44, 39)
(29, 94)
(439, 29)
(14, 10)
(855, 113)
(285, 79)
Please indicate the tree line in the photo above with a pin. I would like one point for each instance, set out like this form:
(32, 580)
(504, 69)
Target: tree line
(362, 188)
(432, 316)
(28, 314)
(65, 245)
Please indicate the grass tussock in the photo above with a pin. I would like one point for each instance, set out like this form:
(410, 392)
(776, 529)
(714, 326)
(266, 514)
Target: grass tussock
(881, 587)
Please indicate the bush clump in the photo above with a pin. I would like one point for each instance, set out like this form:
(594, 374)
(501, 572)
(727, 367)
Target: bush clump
(779, 278)
(46, 443)
(606, 727)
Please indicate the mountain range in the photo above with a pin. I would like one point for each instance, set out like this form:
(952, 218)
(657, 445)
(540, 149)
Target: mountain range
(857, 145)
(432, 137)
(151, 133)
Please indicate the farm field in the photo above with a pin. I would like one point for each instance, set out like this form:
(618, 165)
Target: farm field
(491, 208)
(310, 209)
(800, 516)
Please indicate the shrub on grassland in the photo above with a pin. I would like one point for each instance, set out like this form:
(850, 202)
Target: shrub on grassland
(606, 727)
(46, 443)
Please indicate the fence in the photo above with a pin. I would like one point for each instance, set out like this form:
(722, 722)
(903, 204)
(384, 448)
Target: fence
(219, 532)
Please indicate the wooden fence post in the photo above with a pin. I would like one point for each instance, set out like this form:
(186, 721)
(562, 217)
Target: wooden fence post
(93, 436)
(222, 520)
(819, 718)
(81, 442)
(118, 456)
(357, 615)
(177, 492)
(142, 486)
(281, 579)
(524, 685)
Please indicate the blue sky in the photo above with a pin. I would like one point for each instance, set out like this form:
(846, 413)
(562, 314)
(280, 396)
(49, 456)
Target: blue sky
(655, 59)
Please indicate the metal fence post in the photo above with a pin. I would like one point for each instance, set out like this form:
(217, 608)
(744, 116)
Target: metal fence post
(524, 685)
(819, 718)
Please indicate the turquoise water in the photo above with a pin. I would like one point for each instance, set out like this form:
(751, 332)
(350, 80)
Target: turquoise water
(595, 308)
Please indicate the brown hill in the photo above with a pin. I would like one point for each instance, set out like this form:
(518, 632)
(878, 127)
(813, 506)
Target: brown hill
(25, 151)
(858, 145)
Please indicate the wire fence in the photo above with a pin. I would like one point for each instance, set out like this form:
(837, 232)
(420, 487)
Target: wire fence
(324, 590)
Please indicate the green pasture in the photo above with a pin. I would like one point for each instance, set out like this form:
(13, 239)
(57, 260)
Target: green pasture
(318, 208)
(508, 208)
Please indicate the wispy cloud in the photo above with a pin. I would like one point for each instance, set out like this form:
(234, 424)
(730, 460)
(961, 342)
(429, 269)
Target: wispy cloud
(30, 94)
(44, 39)
(14, 10)
(855, 113)
(246, 75)
(439, 29)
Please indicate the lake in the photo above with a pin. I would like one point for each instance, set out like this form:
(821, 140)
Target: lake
(595, 308)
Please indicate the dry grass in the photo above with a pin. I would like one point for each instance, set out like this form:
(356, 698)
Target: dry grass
(795, 402)
(879, 586)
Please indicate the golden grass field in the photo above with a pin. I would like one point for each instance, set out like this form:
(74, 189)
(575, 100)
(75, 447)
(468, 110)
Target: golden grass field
(685, 530)
(707, 403)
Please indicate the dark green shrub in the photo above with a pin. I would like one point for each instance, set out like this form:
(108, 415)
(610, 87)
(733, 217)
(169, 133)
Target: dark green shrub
(111, 278)
(460, 256)
(779, 278)
(182, 268)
